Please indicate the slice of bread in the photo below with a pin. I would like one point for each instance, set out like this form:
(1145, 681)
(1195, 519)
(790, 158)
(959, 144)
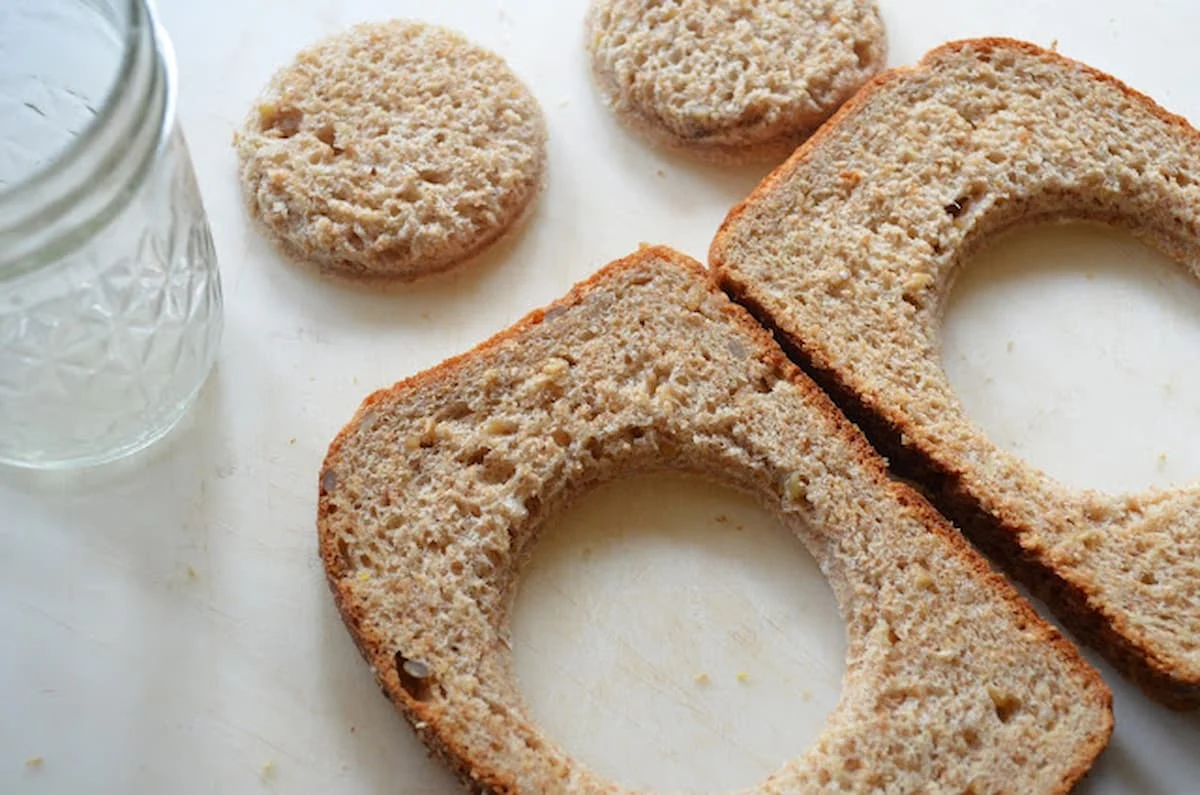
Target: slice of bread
(432, 497)
(848, 250)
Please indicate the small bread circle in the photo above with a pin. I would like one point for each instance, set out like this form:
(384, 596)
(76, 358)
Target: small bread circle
(732, 79)
(392, 150)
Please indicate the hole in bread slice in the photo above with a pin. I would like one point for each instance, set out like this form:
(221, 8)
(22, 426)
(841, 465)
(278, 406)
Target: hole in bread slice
(1074, 346)
(656, 616)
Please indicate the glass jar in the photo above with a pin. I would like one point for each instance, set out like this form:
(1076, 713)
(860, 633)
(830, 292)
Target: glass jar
(110, 299)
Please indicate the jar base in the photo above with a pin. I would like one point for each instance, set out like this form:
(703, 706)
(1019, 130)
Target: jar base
(108, 455)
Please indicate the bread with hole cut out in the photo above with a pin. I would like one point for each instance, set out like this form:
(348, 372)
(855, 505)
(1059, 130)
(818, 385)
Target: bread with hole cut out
(433, 494)
(848, 252)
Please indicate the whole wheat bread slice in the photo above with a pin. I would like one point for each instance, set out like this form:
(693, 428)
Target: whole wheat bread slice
(433, 494)
(848, 250)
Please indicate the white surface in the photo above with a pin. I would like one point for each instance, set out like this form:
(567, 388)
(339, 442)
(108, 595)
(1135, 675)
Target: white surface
(1124, 320)
(164, 625)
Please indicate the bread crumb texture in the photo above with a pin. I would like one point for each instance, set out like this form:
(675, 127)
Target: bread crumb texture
(849, 250)
(392, 150)
(732, 78)
(439, 485)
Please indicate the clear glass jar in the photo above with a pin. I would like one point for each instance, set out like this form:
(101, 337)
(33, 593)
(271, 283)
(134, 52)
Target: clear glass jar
(110, 299)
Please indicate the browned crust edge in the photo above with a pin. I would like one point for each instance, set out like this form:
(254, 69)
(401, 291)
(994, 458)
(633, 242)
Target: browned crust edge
(480, 779)
(997, 536)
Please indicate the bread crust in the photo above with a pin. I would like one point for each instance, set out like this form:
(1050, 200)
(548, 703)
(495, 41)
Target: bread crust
(950, 482)
(342, 517)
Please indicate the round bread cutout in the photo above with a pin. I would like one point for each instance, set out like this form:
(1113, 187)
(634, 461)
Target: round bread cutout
(391, 151)
(433, 495)
(733, 79)
(849, 251)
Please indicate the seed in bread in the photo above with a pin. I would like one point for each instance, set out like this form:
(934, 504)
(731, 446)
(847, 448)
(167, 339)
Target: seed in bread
(391, 151)
(849, 249)
(732, 79)
(953, 683)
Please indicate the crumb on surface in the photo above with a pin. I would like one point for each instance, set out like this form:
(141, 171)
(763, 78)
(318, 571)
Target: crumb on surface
(191, 573)
(743, 677)
(268, 771)
(292, 440)
(35, 762)
(1009, 347)
(702, 678)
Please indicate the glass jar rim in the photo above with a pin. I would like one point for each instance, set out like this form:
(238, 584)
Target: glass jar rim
(78, 147)
(52, 193)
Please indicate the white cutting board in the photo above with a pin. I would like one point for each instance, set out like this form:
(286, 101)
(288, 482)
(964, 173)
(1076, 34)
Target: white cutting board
(164, 624)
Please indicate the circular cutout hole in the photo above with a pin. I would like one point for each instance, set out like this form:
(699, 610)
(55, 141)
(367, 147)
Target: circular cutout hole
(673, 635)
(1077, 347)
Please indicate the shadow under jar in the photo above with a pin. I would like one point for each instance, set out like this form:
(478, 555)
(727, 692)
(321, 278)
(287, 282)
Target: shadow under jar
(110, 298)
